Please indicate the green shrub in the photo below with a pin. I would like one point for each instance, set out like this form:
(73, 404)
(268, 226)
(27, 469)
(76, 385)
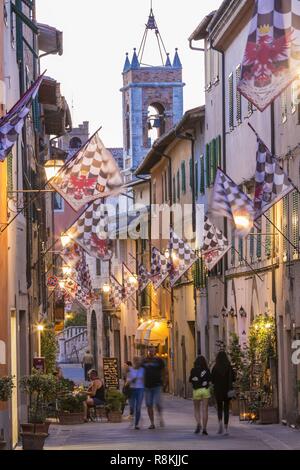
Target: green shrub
(6, 388)
(115, 400)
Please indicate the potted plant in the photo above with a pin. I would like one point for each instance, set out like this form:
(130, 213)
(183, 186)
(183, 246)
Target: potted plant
(6, 388)
(70, 403)
(115, 401)
(41, 389)
(238, 358)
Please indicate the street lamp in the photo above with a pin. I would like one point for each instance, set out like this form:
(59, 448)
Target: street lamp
(132, 280)
(52, 168)
(232, 312)
(167, 253)
(224, 312)
(242, 312)
(66, 270)
(61, 284)
(40, 329)
(65, 239)
(106, 288)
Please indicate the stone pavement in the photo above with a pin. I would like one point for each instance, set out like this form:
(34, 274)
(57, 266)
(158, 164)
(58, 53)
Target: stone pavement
(178, 434)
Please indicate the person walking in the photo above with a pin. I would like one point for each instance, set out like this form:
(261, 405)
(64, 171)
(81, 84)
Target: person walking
(200, 380)
(87, 363)
(126, 388)
(135, 379)
(154, 371)
(223, 377)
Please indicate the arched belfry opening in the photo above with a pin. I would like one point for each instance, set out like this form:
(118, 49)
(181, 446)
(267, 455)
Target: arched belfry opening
(155, 122)
(152, 94)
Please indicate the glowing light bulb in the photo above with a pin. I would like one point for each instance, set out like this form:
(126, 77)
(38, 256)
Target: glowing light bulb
(106, 288)
(65, 239)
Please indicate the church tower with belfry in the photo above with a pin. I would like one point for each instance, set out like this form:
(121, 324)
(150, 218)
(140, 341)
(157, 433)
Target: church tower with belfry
(152, 97)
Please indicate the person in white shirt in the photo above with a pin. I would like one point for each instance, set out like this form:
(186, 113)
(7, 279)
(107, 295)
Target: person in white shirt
(136, 379)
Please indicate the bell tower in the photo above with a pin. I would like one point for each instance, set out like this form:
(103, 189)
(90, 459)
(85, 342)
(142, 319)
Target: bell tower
(152, 97)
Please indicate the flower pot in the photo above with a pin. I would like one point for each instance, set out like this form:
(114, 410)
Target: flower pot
(115, 416)
(33, 441)
(42, 428)
(2, 445)
(268, 415)
(71, 418)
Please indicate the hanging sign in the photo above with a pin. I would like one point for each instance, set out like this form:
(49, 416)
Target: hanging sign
(111, 373)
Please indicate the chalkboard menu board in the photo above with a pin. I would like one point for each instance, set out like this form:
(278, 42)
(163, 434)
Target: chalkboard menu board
(110, 372)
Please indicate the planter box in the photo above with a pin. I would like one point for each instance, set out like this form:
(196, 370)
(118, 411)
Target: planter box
(115, 417)
(2, 445)
(42, 428)
(33, 441)
(268, 415)
(71, 418)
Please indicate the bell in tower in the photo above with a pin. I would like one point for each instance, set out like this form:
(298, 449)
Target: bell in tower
(152, 95)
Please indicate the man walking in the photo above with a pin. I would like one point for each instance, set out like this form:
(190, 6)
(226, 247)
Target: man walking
(154, 370)
(87, 363)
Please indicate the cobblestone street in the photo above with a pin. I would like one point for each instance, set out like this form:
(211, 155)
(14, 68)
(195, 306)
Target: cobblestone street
(178, 434)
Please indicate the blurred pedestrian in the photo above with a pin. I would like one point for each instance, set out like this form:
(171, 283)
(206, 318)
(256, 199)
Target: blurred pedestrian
(223, 378)
(137, 387)
(200, 379)
(154, 380)
(87, 363)
(126, 387)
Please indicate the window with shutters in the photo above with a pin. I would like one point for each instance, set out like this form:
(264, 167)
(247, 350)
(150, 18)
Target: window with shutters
(251, 244)
(211, 162)
(196, 179)
(295, 224)
(284, 109)
(268, 241)
(207, 165)
(258, 244)
(238, 95)
(178, 185)
(241, 249)
(98, 267)
(174, 190)
(285, 226)
(230, 102)
(202, 175)
(10, 183)
(233, 252)
(191, 172)
(183, 178)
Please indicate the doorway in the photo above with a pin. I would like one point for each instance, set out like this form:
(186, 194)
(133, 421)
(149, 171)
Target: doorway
(14, 372)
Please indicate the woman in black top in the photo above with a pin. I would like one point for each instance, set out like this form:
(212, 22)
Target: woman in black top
(222, 378)
(200, 379)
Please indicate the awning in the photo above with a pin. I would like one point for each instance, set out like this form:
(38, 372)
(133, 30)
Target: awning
(152, 332)
(140, 332)
(55, 108)
(50, 39)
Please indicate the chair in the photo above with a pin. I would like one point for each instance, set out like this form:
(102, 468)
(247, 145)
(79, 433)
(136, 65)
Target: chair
(97, 413)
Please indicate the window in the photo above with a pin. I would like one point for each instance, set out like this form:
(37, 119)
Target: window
(230, 102)
(127, 123)
(241, 249)
(58, 203)
(183, 178)
(208, 67)
(202, 175)
(207, 165)
(268, 243)
(196, 179)
(155, 121)
(251, 242)
(178, 185)
(238, 95)
(10, 181)
(75, 143)
(191, 172)
(98, 267)
(174, 190)
(219, 152)
(284, 106)
(154, 193)
(232, 247)
(285, 224)
(295, 224)
(211, 162)
(258, 244)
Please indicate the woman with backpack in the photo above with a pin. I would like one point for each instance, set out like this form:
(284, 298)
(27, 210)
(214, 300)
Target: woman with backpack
(200, 380)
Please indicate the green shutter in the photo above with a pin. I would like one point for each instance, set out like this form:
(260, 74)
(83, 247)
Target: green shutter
(219, 152)
(207, 166)
(183, 178)
(252, 244)
(199, 274)
(230, 95)
(233, 247)
(10, 181)
(285, 224)
(241, 249)
(211, 162)
(174, 190)
(215, 159)
(258, 244)
(191, 172)
(196, 179)
(295, 224)
(202, 175)
(268, 243)
(178, 185)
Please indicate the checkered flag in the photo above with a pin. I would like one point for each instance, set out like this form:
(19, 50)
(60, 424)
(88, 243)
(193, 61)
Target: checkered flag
(215, 245)
(90, 231)
(182, 257)
(72, 254)
(272, 56)
(271, 182)
(159, 268)
(144, 278)
(116, 292)
(231, 202)
(12, 123)
(130, 283)
(93, 173)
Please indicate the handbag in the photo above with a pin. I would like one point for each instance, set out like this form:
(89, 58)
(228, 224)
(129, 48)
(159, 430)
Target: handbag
(231, 394)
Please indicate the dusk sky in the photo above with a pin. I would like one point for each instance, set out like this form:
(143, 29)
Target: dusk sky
(98, 33)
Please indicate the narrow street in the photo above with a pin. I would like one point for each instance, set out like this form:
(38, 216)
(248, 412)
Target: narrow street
(178, 434)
